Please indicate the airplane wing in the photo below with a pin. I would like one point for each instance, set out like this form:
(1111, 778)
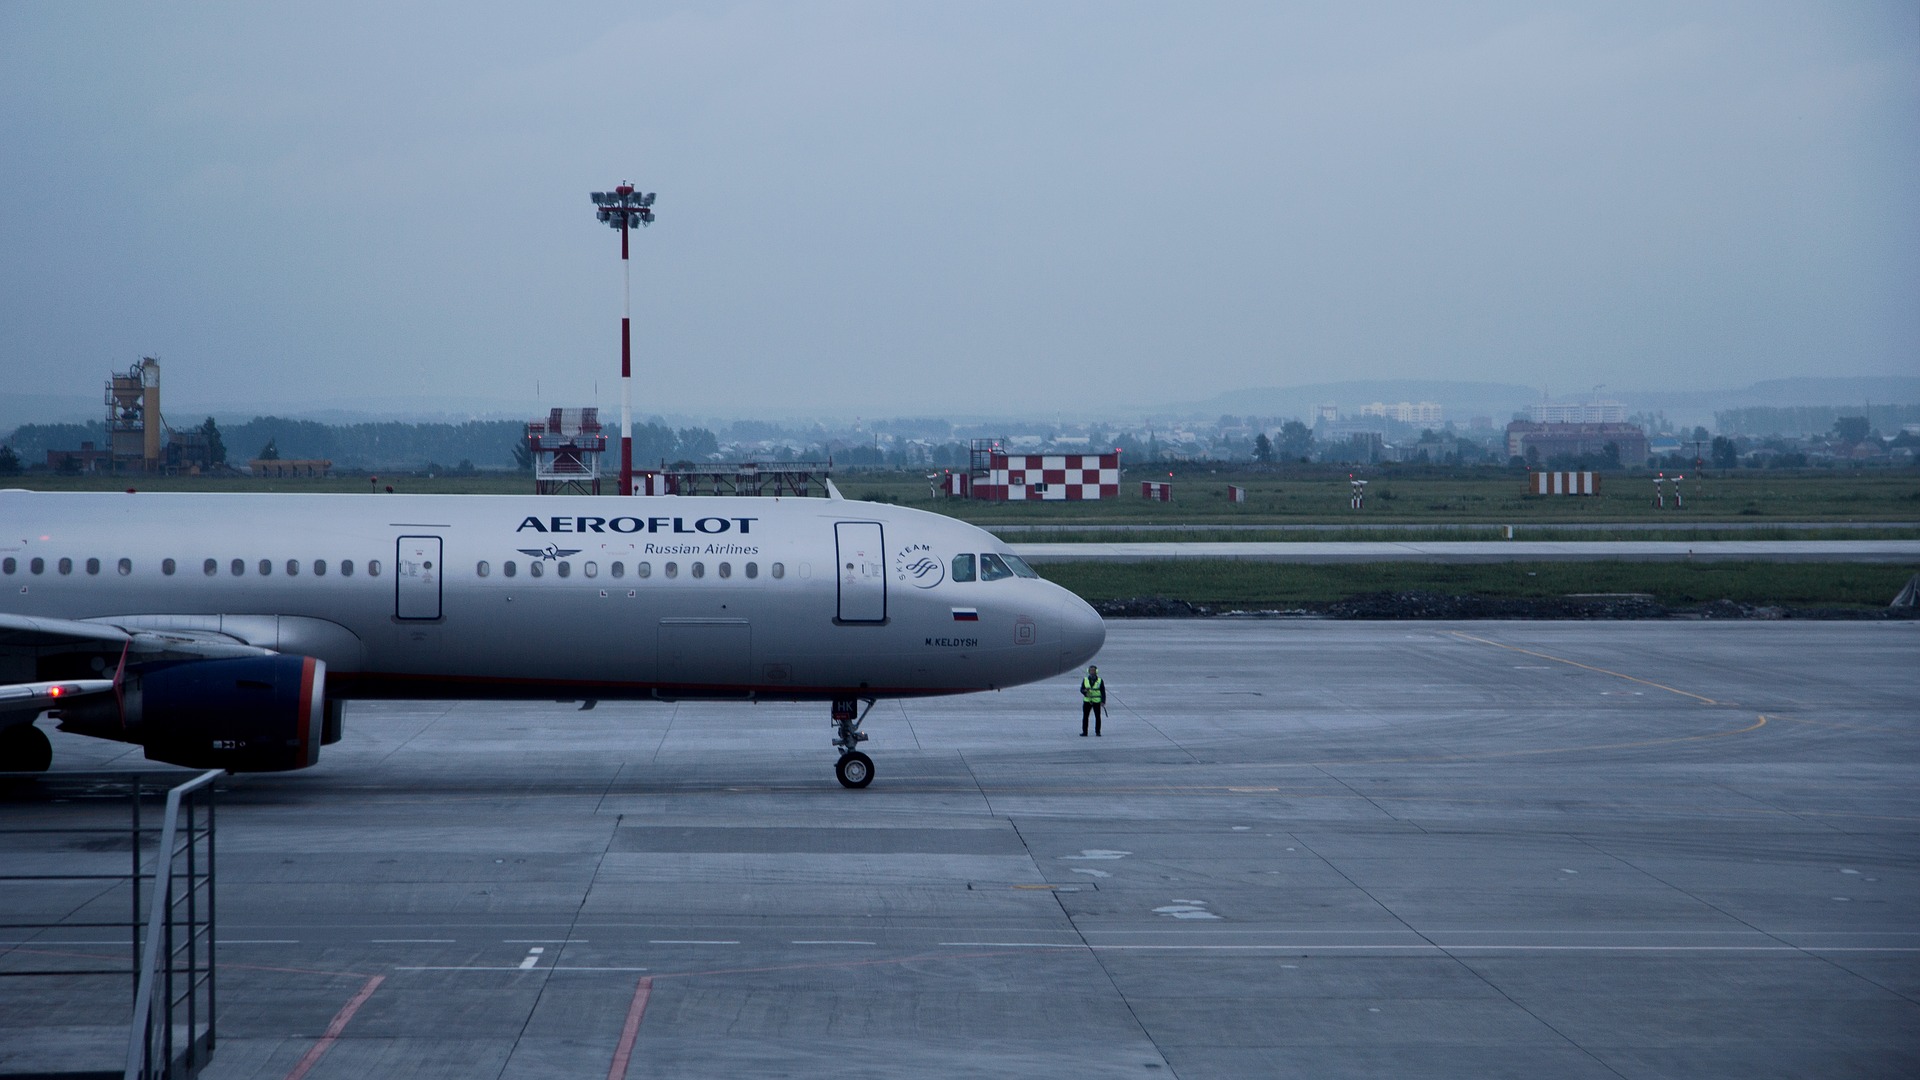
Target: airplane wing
(35, 653)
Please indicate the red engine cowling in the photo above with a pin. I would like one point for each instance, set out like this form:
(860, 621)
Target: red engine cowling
(252, 714)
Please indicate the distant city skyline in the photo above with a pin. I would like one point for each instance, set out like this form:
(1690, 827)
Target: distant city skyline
(989, 209)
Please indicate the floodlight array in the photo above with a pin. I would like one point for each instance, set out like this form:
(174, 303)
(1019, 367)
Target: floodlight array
(623, 207)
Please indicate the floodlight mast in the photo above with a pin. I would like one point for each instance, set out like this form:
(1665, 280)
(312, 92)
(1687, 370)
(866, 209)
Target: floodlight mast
(621, 209)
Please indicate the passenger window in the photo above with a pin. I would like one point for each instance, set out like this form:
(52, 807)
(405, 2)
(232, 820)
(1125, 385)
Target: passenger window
(66, 566)
(566, 569)
(673, 569)
(210, 567)
(238, 566)
(699, 569)
(726, 570)
(38, 565)
(536, 568)
(618, 569)
(7, 565)
(509, 568)
(753, 570)
(963, 567)
(346, 567)
(1020, 566)
(126, 567)
(592, 569)
(482, 568)
(373, 567)
(167, 567)
(319, 568)
(643, 569)
(266, 567)
(779, 570)
(293, 567)
(93, 566)
(991, 568)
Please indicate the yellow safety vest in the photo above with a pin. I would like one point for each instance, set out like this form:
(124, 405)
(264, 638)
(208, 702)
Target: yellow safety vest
(1094, 690)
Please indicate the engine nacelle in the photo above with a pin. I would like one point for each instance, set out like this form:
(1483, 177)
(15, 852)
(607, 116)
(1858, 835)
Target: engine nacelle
(250, 714)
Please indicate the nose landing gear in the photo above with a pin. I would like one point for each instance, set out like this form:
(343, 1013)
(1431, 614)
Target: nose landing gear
(854, 769)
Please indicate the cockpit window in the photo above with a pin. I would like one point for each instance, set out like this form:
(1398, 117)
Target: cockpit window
(1020, 566)
(963, 567)
(992, 568)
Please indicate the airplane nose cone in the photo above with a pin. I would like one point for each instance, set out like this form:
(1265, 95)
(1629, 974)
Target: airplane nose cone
(1082, 632)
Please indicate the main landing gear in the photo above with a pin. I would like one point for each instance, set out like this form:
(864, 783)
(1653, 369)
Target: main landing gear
(25, 748)
(854, 768)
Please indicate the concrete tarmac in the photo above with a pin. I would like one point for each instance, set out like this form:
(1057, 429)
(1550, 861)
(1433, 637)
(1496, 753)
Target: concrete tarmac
(1300, 848)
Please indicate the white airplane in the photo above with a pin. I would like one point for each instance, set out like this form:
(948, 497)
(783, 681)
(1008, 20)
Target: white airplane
(225, 630)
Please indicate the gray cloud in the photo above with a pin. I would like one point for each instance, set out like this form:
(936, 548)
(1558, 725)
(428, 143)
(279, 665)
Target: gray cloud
(911, 208)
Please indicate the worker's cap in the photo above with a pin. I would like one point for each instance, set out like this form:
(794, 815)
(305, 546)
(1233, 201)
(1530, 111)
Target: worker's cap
(1091, 668)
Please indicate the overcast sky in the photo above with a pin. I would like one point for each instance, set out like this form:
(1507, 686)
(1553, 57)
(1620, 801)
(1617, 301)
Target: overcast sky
(932, 208)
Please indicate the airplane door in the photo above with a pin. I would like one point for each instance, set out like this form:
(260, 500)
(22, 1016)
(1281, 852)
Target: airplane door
(861, 571)
(416, 577)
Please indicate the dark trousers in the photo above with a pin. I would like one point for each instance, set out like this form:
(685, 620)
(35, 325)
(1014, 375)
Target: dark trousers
(1094, 709)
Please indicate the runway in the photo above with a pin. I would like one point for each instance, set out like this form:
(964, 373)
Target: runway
(1304, 848)
(1482, 551)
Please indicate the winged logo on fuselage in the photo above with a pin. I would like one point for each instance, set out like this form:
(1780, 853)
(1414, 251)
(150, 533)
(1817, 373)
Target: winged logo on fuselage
(550, 552)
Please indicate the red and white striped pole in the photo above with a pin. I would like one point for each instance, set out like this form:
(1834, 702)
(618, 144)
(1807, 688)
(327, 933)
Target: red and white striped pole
(626, 357)
(620, 208)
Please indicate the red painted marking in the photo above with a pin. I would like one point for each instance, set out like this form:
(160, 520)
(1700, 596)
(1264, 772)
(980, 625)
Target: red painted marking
(334, 1029)
(624, 1054)
(307, 741)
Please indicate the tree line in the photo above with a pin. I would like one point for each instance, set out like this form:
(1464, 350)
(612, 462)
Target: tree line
(1811, 419)
(479, 444)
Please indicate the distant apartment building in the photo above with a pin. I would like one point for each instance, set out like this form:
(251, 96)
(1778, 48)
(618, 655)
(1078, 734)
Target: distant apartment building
(1407, 412)
(1328, 412)
(1587, 412)
(1547, 441)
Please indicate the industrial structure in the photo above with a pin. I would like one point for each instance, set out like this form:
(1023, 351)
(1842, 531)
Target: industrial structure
(566, 450)
(568, 445)
(995, 475)
(135, 430)
(138, 438)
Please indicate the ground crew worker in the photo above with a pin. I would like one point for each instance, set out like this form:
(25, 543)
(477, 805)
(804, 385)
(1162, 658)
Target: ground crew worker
(1093, 700)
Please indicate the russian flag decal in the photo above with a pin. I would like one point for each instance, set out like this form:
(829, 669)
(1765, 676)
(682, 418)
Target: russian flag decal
(966, 614)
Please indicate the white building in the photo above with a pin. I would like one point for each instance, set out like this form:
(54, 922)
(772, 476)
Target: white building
(1407, 412)
(1590, 412)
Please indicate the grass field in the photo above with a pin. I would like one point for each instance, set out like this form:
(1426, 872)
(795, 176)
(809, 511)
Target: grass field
(1436, 497)
(1309, 495)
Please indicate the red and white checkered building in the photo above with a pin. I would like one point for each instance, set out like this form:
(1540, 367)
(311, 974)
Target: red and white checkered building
(1051, 477)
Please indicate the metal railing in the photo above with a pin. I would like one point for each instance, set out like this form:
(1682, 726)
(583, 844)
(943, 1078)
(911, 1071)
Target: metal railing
(172, 1036)
(170, 922)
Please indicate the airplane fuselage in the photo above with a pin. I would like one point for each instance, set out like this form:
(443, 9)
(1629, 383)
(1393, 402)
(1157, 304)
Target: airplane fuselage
(557, 596)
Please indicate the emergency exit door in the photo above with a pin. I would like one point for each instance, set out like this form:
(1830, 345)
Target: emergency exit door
(416, 577)
(861, 571)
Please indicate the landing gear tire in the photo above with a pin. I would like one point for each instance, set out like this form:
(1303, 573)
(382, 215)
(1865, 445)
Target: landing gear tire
(855, 770)
(25, 748)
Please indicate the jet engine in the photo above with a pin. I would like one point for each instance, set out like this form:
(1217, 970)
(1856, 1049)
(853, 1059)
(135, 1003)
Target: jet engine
(246, 714)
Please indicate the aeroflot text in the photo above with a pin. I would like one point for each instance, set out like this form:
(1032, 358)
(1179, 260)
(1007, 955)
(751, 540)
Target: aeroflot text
(708, 525)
